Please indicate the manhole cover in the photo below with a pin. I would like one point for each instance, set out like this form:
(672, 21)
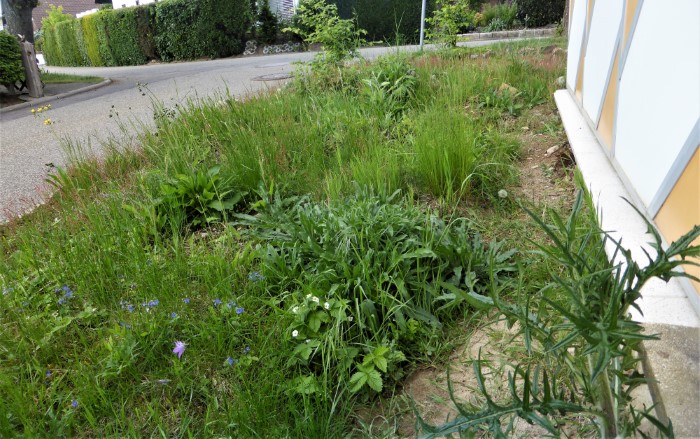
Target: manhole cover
(277, 64)
(273, 77)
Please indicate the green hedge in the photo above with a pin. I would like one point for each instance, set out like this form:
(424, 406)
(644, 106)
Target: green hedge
(92, 42)
(100, 20)
(170, 29)
(11, 69)
(381, 18)
(535, 13)
(146, 30)
(123, 37)
(188, 29)
(67, 44)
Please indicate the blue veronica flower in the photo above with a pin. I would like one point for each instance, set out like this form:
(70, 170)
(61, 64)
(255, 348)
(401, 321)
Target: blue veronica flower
(217, 302)
(240, 310)
(173, 315)
(186, 300)
(74, 403)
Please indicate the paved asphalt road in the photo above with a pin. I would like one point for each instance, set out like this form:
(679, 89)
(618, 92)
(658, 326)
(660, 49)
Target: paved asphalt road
(27, 145)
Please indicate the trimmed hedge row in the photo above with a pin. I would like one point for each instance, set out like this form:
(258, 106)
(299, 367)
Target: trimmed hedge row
(382, 18)
(535, 13)
(169, 30)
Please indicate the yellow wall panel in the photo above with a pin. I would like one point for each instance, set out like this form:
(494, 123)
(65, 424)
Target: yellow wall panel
(607, 115)
(630, 12)
(681, 211)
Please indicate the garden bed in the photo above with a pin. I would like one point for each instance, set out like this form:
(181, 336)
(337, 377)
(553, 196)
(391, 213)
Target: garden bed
(280, 266)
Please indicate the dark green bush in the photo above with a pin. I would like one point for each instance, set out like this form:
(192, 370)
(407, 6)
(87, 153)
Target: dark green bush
(11, 69)
(268, 24)
(535, 13)
(103, 48)
(67, 44)
(122, 31)
(146, 29)
(188, 29)
(382, 18)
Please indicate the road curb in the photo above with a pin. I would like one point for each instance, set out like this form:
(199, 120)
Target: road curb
(44, 100)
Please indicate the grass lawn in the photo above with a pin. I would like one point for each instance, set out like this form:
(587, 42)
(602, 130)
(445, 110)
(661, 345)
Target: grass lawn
(62, 78)
(280, 266)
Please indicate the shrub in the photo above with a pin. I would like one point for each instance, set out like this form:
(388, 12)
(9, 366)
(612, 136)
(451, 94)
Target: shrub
(103, 48)
(67, 43)
(146, 29)
(369, 274)
(535, 13)
(121, 26)
(382, 19)
(51, 46)
(80, 40)
(188, 29)
(268, 25)
(92, 42)
(11, 69)
(320, 23)
(499, 17)
(449, 19)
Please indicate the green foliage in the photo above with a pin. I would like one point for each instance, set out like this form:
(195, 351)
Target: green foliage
(65, 33)
(146, 29)
(391, 87)
(195, 200)
(52, 39)
(318, 22)
(189, 29)
(383, 19)
(534, 13)
(100, 20)
(500, 16)
(581, 321)
(11, 69)
(124, 39)
(450, 18)
(368, 273)
(92, 42)
(267, 24)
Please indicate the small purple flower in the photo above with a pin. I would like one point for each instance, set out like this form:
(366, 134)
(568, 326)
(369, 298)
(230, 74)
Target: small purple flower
(61, 301)
(255, 276)
(231, 361)
(179, 348)
(217, 302)
(186, 300)
(246, 350)
(240, 310)
(74, 403)
(230, 304)
(48, 374)
(173, 315)
(130, 307)
(153, 303)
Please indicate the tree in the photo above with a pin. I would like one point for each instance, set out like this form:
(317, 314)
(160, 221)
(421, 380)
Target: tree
(18, 15)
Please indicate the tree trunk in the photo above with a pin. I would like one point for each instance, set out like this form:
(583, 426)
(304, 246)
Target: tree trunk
(565, 19)
(31, 70)
(18, 15)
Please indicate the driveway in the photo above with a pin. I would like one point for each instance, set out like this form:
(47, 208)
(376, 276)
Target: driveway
(119, 111)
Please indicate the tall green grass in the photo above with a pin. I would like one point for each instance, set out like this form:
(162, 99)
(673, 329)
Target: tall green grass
(98, 361)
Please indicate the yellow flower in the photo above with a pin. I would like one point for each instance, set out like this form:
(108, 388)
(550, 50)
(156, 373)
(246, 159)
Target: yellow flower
(39, 110)
(46, 108)
(33, 111)
(47, 122)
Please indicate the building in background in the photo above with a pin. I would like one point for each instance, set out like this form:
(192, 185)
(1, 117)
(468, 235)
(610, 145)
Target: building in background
(638, 89)
(118, 4)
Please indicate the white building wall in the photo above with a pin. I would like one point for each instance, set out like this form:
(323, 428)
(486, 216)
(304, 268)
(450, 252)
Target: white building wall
(118, 4)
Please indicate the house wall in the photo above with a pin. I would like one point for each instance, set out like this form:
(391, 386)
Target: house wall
(283, 8)
(638, 83)
(118, 4)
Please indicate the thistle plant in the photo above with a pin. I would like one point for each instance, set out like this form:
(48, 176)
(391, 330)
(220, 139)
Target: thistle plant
(580, 323)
